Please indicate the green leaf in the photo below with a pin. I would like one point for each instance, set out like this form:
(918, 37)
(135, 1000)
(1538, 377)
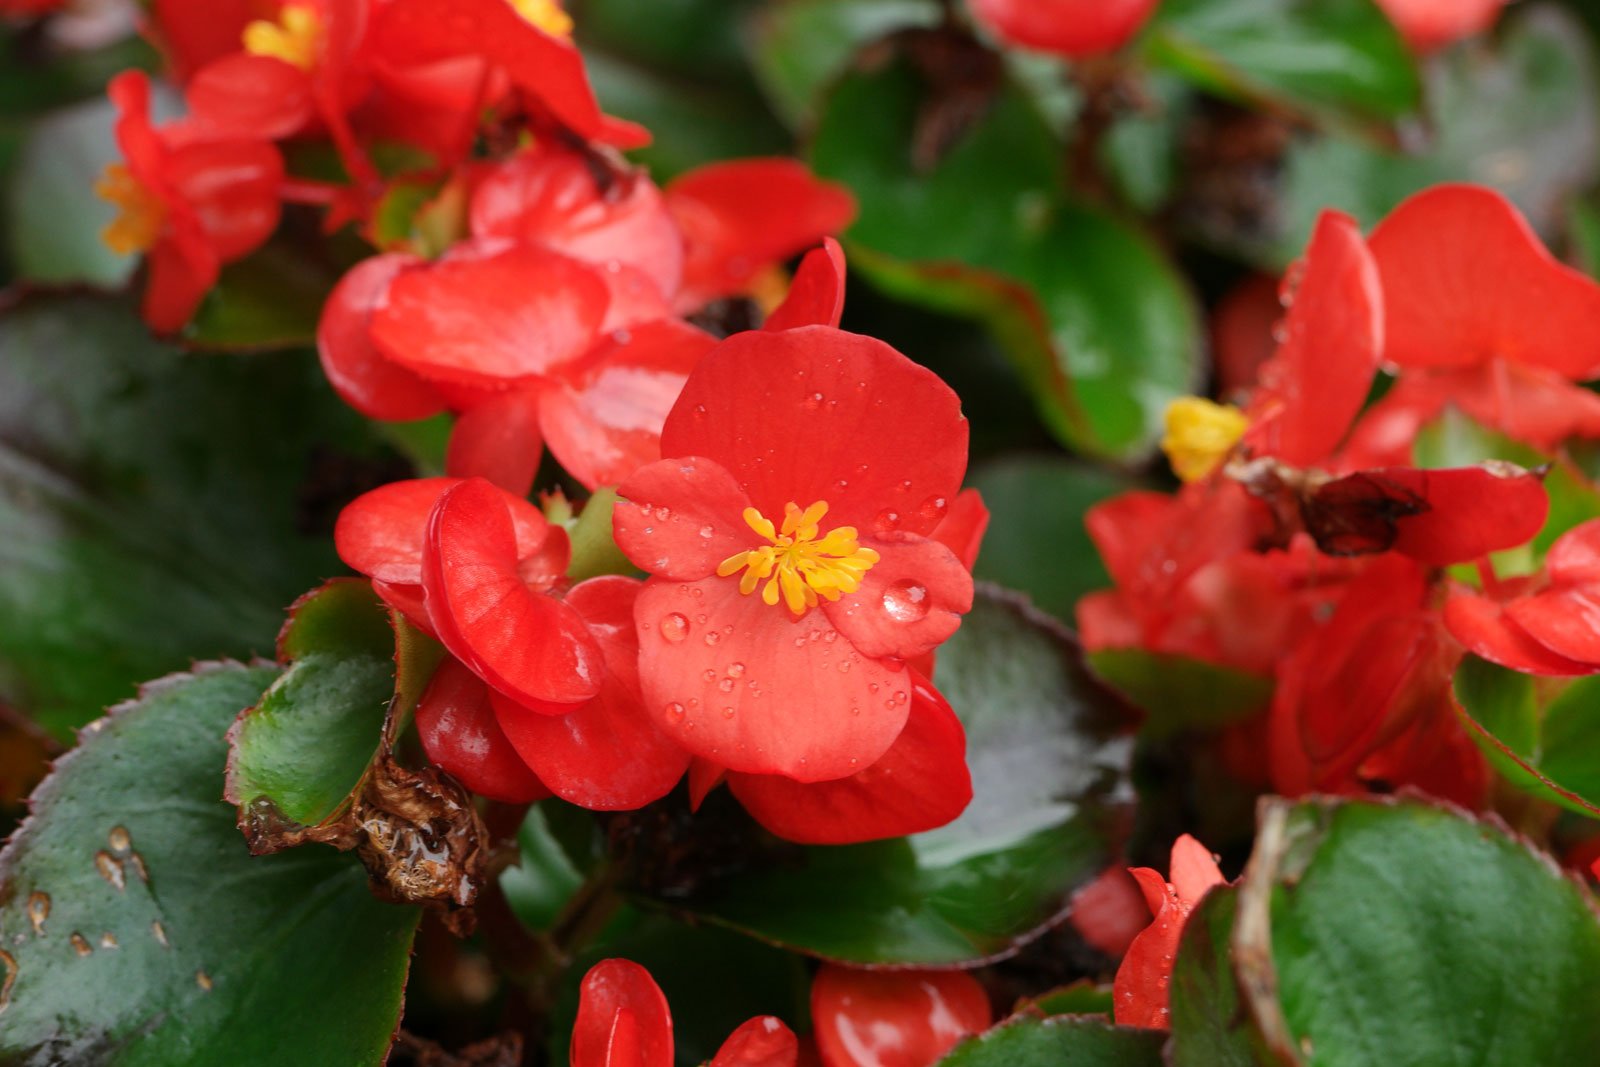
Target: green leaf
(1062, 1041)
(1100, 325)
(1048, 752)
(546, 875)
(802, 46)
(155, 507)
(139, 930)
(694, 37)
(1391, 933)
(594, 549)
(1545, 743)
(270, 299)
(1521, 118)
(1338, 57)
(1036, 541)
(1177, 693)
(303, 748)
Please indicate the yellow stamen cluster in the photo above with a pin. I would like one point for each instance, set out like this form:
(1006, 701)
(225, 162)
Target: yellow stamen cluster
(799, 565)
(546, 15)
(1200, 434)
(140, 211)
(293, 38)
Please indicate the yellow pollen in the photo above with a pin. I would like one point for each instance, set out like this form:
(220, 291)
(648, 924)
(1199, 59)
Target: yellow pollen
(798, 565)
(546, 15)
(1200, 434)
(140, 211)
(293, 38)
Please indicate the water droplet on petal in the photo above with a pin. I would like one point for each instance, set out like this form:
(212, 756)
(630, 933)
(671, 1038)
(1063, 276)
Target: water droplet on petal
(674, 713)
(933, 509)
(712, 637)
(906, 601)
(707, 530)
(735, 670)
(886, 522)
(726, 685)
(674, 627)
(727, 713)
(709, 675)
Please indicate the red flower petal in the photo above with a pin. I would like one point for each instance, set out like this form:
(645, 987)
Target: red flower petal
(490, 315)
(1431, 24)
(498, 440)
(1466, 280)
(232, 189)
(606, 754)
(1566, 621)
(1529, 404)
(367, 381)
(749, 686)
(529, 646)
(816, 295)
(408, 600)
(1482, 626)
(1139, 991)
(182, 269)
(1110, 911)
(1241, 331)
(909, 602)
(603, 421)
(1194, 869)
(1574, 558)
(1472, 511)
(1316, 383)
(761, 1042)
(1073, 28)
(921, 783)
(963, 527)
(192, 33)
(623, 1019)
(832, 416)
(742, 215)
(704, 776)
(680, 518)
(242, 91)
(893, 1018)
(459, 733)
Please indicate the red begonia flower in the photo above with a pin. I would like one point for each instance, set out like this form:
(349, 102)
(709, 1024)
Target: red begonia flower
(742, 215)
(189, 203)
(1430, 24)
(1140, 988)
(816, 295)
(364, 377)
(494, 613)
(1483, 626)
(1314, 385)
(1110, 912)
(1550, 631)
(1467, 281)
(498, 440)
(815, 482)
(760, 1042)
(546, 67)
(192, 33)
(893, 1018)
(605, 754)
(459, 733)
(921, 783)
(1073, 28)
(623, 1019)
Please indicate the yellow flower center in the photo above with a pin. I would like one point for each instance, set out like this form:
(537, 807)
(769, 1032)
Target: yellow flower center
(546, 15)
(1200, 435)
(799, 565)
(293, 38)
(140, 212)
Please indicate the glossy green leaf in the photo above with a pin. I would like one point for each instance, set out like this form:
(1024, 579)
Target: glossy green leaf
(1543, 740)
(1177, 693)
(1048, 753)
(1082, 997)
(137, 929)
(1036, 542)
(1342, 57)
(303, 748)
(1101, 327)
(155, 507)
(546, 875)
(1394, 933)
(1061, 1041)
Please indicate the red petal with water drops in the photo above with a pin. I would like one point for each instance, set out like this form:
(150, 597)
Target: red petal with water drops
(370, 383)
(1139, 991)
(833, 416)
(747, 685)
(1316, 383)
(1466, 280)
(606, 754)
(963, 527)
(816, 295)
(262, 94)
(893, 1018)
(680, 518)
(623, 1019)
(490, 315)
(761, 1042)
(1565, 621)
(909, 602)
(1472, 511)
(603, 420)
(458, 732)
(1482, 625)
(921, 783)
(529, 646)
(499, 441)
(1073, 28)
(739, 216)
(556, 197)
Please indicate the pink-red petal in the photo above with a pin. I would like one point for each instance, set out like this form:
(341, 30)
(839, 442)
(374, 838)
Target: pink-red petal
(498, 440)
(680, 518)
(1481, 624)
(1565, 621)
(623, 1019)
(458, 732)
(760, 1042)
(368, 382)
(816, 295)
(1472, 511)
(909, 602)
(893, 1018)
(1073, 28)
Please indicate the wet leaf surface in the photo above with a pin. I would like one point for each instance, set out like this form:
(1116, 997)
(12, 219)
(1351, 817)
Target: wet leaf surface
(1059, 1042)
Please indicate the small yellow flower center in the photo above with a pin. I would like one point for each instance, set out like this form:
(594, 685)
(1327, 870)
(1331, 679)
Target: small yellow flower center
(1200, 435)
(293, 38)
(140, 212)
(799, 565)
(546, 15)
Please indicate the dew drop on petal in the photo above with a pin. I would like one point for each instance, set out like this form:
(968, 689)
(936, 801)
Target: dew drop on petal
(886, 522)
(707, 530)
(712, 637)
(674, 627)
(906, 601)
(727, 713)
(674, 713)
(933, 509)
(735, 670)
(709, 675)
(726, 685)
